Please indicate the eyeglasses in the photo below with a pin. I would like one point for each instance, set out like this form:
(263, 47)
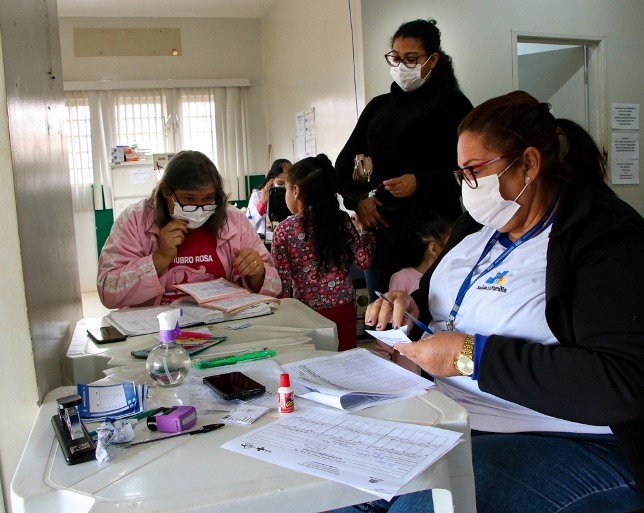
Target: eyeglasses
(394, 60)
(468, 174)
(209, 207)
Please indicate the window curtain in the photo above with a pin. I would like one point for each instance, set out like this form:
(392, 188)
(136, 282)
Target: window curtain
(232, 138)
(159, 119)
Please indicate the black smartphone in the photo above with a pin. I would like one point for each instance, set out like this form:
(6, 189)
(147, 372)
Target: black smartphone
(234, 385)
(276, 208)
(105, 335)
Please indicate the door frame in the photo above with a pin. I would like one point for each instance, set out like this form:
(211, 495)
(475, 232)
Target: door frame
(596, 79)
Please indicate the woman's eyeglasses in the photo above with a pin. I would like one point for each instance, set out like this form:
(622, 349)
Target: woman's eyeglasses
(394, 60)
(468, 174)
(209, 207)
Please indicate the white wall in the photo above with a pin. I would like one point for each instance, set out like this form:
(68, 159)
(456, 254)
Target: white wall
(308, 63)
(478, 36)
(216, 48)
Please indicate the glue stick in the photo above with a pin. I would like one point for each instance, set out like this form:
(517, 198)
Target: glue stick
(285, 403)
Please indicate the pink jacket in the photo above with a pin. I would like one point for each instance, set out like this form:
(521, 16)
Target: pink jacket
(126, 273)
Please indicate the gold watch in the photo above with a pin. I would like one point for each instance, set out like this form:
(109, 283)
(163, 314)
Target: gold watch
(464, 362)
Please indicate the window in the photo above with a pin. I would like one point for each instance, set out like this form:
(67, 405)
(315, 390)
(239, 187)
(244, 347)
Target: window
(158, 120)
(210, 119)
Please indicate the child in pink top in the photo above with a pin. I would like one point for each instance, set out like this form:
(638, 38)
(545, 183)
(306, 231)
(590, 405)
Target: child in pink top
(315, 248)
(421, 240)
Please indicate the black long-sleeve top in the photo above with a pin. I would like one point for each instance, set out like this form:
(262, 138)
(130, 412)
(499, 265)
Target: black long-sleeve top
(408, 132)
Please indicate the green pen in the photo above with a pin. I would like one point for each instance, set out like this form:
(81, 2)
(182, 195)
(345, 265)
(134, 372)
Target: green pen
(231, 360)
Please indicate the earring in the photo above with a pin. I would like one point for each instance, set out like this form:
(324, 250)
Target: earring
(527, 179)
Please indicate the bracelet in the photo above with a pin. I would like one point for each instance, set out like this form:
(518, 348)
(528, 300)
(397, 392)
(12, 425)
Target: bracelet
(372, 194)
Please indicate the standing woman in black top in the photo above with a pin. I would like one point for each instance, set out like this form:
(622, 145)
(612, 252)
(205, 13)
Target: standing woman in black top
(410, 136)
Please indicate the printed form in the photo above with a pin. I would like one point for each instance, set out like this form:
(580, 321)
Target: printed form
(377, 456)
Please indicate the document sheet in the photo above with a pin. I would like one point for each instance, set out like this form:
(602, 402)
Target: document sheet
(140, 321)
(376, 456)
(353, 380)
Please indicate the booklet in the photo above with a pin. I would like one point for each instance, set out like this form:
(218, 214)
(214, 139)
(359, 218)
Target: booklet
(353, 380)
(223, 295)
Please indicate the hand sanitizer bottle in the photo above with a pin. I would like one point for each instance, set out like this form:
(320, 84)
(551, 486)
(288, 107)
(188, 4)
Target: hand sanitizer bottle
(168, 364)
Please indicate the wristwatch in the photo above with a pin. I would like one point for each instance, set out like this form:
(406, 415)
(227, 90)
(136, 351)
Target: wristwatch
(464, 362)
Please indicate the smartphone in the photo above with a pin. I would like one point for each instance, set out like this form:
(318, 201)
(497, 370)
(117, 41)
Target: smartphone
(105, 335)
(234, 385)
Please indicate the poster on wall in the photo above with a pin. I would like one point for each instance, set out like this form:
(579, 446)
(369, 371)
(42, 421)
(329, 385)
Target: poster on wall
(305, 145)
(625, 144)
(625, 116)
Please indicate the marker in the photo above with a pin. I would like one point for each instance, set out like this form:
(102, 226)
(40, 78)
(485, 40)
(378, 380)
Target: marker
(231, 360)
(409, 316)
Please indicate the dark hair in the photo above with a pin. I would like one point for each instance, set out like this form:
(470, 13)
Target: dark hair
(427, 32)
(277, 168)
(323, 220)
(190, 170)
(416, 233)
(517, 120)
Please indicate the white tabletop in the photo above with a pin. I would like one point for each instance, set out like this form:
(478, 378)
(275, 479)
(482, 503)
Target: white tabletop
(193, 474)
(292, 322)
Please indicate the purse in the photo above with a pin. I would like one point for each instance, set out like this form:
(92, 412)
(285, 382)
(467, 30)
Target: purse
(362, 169)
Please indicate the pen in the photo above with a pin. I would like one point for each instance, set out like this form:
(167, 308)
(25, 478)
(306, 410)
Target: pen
(207, 428)
(409, 316)
(231, 360)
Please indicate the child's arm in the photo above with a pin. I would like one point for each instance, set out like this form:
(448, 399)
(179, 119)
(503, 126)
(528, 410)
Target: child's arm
(363, 245)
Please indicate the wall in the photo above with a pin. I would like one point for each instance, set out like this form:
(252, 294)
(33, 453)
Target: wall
(40, 302)
(478, 36)
(215, 48)
(308, 63)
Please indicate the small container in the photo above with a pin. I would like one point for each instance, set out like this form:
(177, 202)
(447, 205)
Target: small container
(285, 395)
(168, 363)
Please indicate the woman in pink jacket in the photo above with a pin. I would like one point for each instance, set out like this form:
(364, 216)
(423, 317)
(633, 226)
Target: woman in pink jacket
(185, 232)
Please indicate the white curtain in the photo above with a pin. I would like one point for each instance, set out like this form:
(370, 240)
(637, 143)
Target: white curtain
(232, 138)
(161, 120)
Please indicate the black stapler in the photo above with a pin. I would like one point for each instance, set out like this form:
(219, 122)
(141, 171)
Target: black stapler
(76, 443)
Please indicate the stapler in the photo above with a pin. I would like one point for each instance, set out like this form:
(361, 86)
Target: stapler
(76, 443)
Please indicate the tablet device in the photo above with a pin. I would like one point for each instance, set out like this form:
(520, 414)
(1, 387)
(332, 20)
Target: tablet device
(234, 385)
(105, 335)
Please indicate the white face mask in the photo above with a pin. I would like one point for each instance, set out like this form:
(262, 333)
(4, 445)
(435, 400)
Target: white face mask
(195, 219)
(485, 203)
(408, 79)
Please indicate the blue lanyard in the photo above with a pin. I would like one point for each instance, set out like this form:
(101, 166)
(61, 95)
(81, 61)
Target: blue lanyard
(468, 282)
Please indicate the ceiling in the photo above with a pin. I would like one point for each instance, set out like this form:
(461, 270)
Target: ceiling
(165, 8)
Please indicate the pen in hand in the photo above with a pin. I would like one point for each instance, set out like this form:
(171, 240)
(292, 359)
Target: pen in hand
(409, 316)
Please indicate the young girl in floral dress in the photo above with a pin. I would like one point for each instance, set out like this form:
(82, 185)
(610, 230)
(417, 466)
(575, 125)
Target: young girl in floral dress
(315, 247)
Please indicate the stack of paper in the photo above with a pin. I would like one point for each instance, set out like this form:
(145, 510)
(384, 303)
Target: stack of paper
(353, 380)
(111, 401)
(140, 321)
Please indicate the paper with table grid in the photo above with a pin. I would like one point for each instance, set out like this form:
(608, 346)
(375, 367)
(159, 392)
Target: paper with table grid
(377, 456)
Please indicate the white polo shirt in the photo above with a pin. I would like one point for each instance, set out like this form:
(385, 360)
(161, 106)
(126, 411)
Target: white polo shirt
(509, 300)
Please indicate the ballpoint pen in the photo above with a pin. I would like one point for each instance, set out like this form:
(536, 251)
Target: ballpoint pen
(231, 360)
(206, 429)
(409, 316)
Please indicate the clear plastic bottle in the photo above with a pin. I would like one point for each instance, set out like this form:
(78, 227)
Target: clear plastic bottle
(168, 364)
